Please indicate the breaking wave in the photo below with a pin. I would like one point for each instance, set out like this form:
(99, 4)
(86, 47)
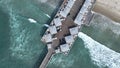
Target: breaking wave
(48, 15)
(100, 55)
(105, 23)
(43, 1)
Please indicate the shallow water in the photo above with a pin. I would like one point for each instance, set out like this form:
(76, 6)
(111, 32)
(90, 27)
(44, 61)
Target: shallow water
(92, 52)
(20, 45)
(100, 54)
(77, 58)
(105, 31)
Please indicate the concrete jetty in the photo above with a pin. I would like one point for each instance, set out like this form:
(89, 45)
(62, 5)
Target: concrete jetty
(47, 58)
(64, 28)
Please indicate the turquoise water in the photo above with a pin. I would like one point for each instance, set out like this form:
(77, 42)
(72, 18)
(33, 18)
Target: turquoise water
(20, 45)
(104, 32)
(77, 58)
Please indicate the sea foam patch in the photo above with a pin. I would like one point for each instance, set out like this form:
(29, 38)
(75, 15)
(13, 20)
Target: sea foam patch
(101, 55)
(60, 61)
(43, 1)
(105, 23)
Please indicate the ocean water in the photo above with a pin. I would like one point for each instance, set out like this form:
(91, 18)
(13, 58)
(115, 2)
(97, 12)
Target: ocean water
(101, 55)
(79, 57)
(97, 46)
(20, 45)
(105, 31)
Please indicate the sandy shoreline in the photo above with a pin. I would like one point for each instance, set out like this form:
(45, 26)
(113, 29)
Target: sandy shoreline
(109, 8)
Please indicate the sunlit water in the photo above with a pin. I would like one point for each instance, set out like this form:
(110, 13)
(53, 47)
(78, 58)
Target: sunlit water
(20, 45)
(97, 46)
(101, 55)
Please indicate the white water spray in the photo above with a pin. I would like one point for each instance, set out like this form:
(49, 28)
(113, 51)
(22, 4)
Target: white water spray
(100, 54)
(43, 1)
(32, 20)
(48, 15)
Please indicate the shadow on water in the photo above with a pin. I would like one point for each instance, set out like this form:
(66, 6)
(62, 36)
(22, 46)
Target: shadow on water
(4, 33)
(52, 17)
(41, 57)
(44, 52)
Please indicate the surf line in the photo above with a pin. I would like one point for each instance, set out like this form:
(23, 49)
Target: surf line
(100, 54)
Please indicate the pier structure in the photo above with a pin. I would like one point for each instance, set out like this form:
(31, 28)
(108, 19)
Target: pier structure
(65, 26)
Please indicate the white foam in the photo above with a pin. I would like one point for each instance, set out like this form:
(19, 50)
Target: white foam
(32, 20)
(48, 15)
(104, 23)
(46, 25)
(100, 54)
(43, 1)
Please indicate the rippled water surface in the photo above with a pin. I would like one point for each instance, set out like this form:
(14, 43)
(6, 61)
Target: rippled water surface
(97, 46)
(20, 45)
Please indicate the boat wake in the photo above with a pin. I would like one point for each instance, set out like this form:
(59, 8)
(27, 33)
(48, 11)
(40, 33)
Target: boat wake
(43, 1)
(104, 23)
(32, 20)
(100, 54)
